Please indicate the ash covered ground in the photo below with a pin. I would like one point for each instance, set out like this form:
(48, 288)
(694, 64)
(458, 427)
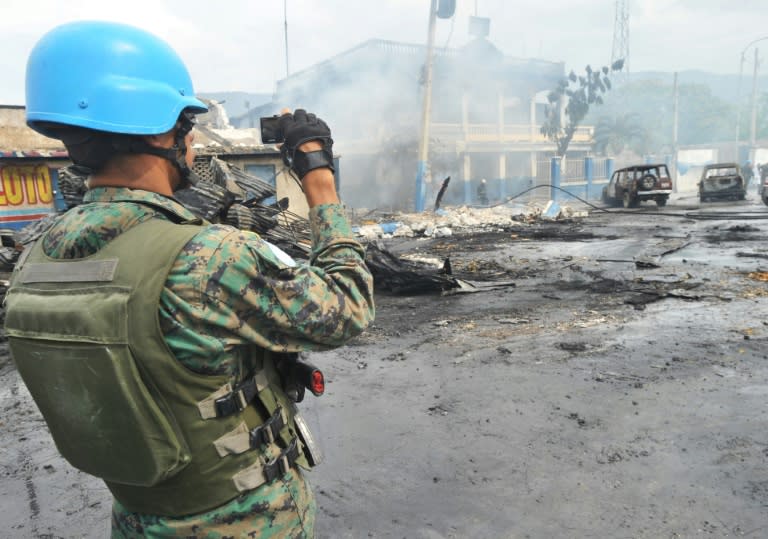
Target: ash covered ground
(613, 384)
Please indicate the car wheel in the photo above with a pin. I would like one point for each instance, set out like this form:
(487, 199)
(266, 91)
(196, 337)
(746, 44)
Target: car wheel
(765, 198)
(661, 201)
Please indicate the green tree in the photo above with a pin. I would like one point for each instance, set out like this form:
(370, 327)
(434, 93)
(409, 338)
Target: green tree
(581, 92)
(613, 134)
(702, 117)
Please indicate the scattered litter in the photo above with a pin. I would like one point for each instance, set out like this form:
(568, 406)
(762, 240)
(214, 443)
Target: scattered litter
(513, 321)
(447, 222)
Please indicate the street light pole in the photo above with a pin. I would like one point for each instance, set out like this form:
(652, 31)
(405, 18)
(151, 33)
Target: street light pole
(421, 169)
(753, 123)
(738, 96)
(285, 26)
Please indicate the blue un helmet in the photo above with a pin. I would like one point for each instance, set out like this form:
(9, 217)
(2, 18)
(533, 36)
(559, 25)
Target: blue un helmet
(108, 77)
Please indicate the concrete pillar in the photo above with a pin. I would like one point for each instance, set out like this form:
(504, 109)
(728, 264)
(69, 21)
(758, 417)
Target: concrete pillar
(555, 175)
(465, 115)
(589, 175)
(467, 179)
(503, 176)
(609, 165)
(421, 188)
(500, 115)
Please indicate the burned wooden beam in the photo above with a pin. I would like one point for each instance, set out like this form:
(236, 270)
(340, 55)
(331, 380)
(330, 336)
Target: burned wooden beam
(397, 276)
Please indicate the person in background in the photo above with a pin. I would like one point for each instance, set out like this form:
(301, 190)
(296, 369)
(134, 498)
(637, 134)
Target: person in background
(756, 174)
(158, 347)
(482, 192)
(747, 173)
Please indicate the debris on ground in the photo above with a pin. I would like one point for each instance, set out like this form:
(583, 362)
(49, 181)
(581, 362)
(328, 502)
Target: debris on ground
(405, 277)
(448, 221)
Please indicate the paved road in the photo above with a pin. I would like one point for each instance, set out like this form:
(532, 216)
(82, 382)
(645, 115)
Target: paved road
(617, 390)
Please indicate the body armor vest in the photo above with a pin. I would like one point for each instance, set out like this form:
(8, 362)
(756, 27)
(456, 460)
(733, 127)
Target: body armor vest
(86, 339)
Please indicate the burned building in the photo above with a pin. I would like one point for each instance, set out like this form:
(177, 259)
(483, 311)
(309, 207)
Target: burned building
(487, 108)
(29, 163)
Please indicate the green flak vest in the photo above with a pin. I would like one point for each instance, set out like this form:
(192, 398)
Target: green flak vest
(86, 339)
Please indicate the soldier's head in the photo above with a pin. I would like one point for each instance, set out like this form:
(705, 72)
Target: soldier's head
(108, 90)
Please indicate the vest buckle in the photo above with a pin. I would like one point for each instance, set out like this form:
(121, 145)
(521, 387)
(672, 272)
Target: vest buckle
(238, 400)
(282, 463)
(268, 431)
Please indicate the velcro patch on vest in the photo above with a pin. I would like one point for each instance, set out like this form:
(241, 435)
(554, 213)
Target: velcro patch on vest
(79, 271)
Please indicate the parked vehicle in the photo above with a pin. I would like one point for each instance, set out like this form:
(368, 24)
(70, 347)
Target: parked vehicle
(631, 185)
(722, 181)
(762, 187)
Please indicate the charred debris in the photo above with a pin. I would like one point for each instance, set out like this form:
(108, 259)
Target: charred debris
(238, 198)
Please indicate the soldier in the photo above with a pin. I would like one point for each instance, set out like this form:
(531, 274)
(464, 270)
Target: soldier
(153, 343)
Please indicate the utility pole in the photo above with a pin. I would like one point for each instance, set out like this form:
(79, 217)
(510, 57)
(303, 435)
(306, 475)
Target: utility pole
(285, 26)
(421, 169)
(675, 103)
(753, 126)
(675, 111)
(738, 95)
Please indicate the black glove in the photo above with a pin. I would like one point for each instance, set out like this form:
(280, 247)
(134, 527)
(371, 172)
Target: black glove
(301, 127)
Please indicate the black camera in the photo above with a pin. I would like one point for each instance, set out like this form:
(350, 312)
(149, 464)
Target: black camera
(270, 130)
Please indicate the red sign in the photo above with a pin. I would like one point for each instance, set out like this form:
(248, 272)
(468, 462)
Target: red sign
(26, 194)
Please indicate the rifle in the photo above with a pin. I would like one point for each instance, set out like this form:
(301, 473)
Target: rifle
(299, 375)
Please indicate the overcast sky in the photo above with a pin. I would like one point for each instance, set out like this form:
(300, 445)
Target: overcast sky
(240, 44)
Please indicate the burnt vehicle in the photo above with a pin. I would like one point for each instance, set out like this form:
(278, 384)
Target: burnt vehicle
(631, 185)
(722, 181)
(762, 186)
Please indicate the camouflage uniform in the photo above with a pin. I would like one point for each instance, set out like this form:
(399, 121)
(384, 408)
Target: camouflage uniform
(227, 289)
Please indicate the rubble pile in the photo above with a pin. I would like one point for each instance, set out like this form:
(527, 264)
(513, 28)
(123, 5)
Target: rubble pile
(445, 222)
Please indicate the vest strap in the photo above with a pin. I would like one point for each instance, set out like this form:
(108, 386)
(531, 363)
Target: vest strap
(259, 473)
(283, 462)
(234, 442)
(240, 439)
(267, 432)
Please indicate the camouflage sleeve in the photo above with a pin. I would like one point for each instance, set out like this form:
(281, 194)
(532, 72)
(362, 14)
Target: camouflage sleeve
(250, 291)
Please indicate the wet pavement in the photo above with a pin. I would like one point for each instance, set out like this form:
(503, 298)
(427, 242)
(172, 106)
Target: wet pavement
(618, 389)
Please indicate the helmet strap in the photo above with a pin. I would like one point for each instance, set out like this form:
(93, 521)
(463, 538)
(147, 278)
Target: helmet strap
(176, 154)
